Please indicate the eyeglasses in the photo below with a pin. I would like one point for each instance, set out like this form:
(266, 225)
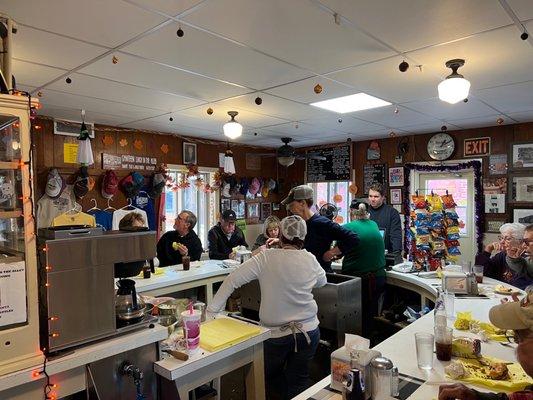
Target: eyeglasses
(505, 238)
(527, 241)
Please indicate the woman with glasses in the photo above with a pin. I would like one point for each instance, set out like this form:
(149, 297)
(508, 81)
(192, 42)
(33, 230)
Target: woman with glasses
(496, 266)
(520, 259)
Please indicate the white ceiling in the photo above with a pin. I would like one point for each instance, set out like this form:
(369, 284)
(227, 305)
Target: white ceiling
(236, 50)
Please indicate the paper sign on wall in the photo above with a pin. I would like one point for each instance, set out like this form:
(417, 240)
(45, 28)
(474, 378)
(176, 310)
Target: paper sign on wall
(13, 293)
(70, 153)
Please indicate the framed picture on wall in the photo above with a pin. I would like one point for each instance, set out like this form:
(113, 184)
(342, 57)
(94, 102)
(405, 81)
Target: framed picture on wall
(252, 210)
(494, 225)
(396, 196)
(275, 206)
(396, 177)
(521, 155)
(523, 215)
(238, 207)
(225, 204)
(266, 210)
(189, 153)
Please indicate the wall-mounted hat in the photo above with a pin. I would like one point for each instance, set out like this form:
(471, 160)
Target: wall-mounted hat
(109, 184)
(158, 184)
(244, 186)
(254, 187)
(54, 184)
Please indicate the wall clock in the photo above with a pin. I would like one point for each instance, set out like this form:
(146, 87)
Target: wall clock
(441, 146)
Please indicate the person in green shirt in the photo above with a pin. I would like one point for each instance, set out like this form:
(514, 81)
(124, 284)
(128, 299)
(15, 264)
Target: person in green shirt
(367, 261)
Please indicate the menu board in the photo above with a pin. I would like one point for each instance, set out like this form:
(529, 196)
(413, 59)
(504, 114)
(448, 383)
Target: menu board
(373, 173)
(336, 166)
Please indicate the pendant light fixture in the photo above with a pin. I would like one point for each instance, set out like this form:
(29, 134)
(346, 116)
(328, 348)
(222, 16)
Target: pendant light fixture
(229, 165)
(455, 87)
(232, 128)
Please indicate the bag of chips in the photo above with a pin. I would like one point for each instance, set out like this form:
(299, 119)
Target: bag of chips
(454, 251)
(434, 202)
(418, 201)
(452, 214)
(452, 229)
(453, 236)
(447, 201)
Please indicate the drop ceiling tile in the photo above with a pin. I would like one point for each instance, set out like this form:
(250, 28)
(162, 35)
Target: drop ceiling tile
(74, 115)
(145, 73)
(386, 116)
(442, 110)
(170, 7)
(510, 98)
(298, 129)
(46, 48)
(112, 91)
(206, 54)
(296, 31)
(486, 57)
(478, 122)
(524, 116)
(303, 91)
(35, 75)
(422, 128)
(383, 79)
(412, 24)
(57, 99)
(522, 8)
(345, 124)
(104, 22)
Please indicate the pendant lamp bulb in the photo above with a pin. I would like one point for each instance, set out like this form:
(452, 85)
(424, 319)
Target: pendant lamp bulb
(454, 88)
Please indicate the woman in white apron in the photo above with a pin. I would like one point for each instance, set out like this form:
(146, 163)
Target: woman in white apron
(287, 277)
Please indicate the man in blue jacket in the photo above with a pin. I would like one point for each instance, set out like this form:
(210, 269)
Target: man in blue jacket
(321, 232)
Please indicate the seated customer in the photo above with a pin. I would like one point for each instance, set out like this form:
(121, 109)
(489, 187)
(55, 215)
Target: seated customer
(496, 266)
(131, 220)
(286, 277)
(270, 230)
(520, 259)
(367, 261)
(224, 236)
(517, 316)
(182, 241)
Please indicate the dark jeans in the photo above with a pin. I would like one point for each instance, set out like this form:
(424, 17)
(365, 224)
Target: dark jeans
(373, 289)
(287, 371)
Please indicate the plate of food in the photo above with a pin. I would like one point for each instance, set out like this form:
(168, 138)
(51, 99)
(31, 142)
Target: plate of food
(505, 290)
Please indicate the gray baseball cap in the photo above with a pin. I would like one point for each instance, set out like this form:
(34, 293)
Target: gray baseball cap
(302, 192)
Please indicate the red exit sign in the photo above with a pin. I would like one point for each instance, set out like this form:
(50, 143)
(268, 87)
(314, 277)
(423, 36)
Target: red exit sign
(477, 147)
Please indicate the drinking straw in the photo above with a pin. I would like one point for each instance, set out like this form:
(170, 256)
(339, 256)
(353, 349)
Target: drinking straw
(190, 307)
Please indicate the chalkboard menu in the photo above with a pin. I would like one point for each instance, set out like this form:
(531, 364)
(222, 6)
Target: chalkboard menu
(373, 173)
(336, 166)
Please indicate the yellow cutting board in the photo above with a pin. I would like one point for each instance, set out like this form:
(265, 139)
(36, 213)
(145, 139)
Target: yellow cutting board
(225, 332)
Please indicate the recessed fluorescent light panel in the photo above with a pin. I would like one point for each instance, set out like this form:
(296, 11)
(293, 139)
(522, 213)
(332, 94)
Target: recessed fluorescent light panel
(351, 103)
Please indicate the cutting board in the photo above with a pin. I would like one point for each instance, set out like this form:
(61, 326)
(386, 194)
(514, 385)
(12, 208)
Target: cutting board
(224, 332)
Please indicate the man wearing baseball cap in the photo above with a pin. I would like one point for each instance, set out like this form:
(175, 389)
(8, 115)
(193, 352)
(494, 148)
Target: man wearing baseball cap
(224, 236)
(516, 316)
(321, 232)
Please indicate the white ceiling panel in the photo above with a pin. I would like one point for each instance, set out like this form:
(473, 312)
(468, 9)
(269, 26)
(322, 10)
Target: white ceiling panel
(522, 8)
(386, 116)
(112, 91)
(524, 116)
(425, 128)
(34, 75)
(383, 79)
(511, 98)
(74, 115)
(411, 24)
(105, 22)
(486, 56)
(347, 124)
(442, 110)
(148, 74)
(170, 7)
(303, 91)
(56, 99)
(164, 125)
(478, 122)
(295, 130)
(296, 31)
(49, 49)
(215, 57)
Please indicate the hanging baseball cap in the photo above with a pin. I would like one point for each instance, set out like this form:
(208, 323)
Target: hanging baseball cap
(265, 190)
(229, 216)
(244, 186)
(292, 227)
(109, 184)
(513, 315)
(81, 185)
(54, 184)
(132, 184)
(158, 184)
(302, 192)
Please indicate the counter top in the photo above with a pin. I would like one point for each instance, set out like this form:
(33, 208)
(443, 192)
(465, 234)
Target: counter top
(400, 347)
(87, 354)
(174, 274)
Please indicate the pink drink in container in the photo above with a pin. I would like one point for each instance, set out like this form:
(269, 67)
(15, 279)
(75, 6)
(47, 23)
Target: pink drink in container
(191, 329)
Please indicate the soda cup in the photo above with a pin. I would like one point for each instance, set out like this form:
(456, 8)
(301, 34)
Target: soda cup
(191, 329)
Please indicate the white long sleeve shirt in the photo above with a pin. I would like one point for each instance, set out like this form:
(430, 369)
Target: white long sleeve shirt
(287, 278)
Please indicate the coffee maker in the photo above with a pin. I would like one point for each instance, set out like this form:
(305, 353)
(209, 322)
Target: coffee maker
(77, 271)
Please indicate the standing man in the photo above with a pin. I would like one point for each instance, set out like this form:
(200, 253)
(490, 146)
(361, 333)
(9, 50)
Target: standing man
(224, 236)
(387, 219)
(182, 241)
(321, 232)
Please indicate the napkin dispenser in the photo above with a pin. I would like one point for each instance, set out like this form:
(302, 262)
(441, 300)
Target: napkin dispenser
(460, 283)
(343, 360)
(242, 254)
